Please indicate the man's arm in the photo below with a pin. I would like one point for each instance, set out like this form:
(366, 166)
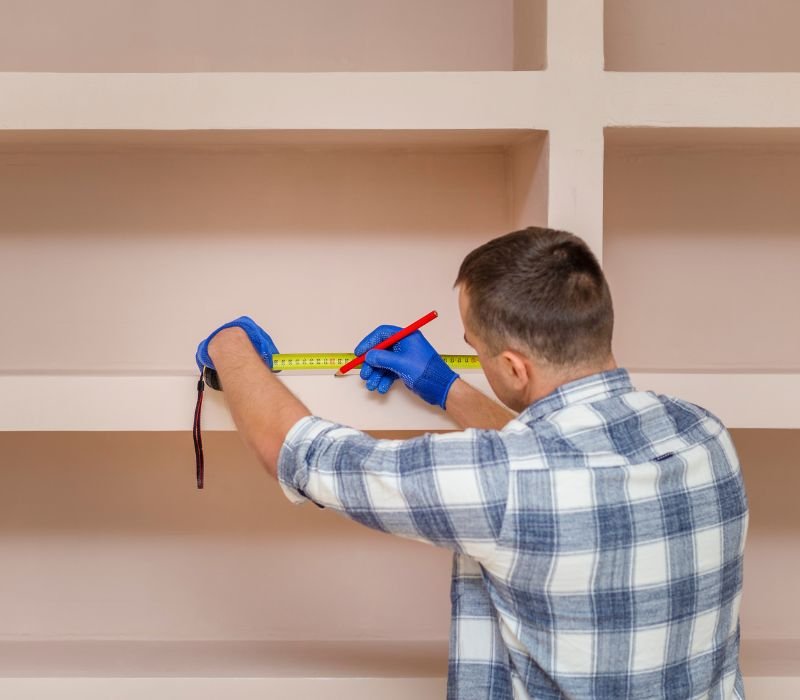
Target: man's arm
(263, 409)
(469, 408)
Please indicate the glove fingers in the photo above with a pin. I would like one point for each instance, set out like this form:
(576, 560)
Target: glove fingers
(258, 336)
(377, 376)
(260, 339)
(386, 383)
(379, 334)
(388, 360)
(366, 371)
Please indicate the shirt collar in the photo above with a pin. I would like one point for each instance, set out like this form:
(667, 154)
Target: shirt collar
(584, 390)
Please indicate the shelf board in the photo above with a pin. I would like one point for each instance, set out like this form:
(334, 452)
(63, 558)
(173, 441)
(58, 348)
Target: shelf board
(246, 670)
(458, 100)
(739, 399)
(148, 402)
(175, 101)
(166, 402)
(715, 100)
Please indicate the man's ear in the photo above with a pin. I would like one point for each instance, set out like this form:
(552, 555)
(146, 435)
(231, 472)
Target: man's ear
(515, 369)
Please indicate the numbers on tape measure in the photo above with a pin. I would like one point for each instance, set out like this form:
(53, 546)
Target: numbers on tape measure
(332, 361)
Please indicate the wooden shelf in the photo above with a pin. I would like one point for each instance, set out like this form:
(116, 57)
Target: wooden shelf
(152, 402)
(179, 101)
(165, 402)
(243, 669)
(739, 399)
(385, 101)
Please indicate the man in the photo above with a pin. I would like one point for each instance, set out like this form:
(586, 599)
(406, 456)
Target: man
(598, 530)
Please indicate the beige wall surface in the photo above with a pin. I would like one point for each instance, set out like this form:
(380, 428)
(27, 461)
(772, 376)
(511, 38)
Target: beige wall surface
(710, 35)
(106, 536)
(115, 256)
(771, 465)
(272, 35)
(701, 249)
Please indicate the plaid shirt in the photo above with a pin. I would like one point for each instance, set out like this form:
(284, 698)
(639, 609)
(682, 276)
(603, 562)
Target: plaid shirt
(598, 539)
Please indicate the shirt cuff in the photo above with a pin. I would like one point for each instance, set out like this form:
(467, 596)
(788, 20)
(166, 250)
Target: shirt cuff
(292, 469)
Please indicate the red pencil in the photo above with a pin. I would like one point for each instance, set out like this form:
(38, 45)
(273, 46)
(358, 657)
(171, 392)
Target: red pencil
(391, 340)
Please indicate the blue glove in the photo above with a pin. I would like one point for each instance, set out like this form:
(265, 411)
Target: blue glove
(413, 359)
(258, 337)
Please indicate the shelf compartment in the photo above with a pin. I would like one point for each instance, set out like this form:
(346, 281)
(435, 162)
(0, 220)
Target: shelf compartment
(770, 617)
(772, 554)
(124, 249)
(105, 536)
(711, 36)
(277, 36)
(701, 246)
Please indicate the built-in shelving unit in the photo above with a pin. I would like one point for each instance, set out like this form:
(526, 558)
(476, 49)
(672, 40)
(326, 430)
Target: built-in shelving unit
(162, 171)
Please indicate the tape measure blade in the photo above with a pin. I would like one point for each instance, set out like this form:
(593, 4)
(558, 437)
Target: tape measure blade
(310, 360)
(332, 361)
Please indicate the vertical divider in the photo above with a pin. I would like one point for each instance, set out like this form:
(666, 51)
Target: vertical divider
(575, 145)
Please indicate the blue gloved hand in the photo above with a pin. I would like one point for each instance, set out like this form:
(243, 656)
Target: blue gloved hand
(258, 337)
(413, 359)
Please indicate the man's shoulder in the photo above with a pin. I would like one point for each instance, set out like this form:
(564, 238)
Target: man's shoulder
(617, 430)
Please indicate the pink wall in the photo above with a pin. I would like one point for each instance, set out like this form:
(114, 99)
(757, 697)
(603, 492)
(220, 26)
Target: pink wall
(104, 535)
(701, 248)
(278, 35)
(131, 238)
(770, 461)
(712, 35)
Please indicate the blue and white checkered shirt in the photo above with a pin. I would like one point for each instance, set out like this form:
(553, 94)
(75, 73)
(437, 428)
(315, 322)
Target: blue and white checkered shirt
(598, 539)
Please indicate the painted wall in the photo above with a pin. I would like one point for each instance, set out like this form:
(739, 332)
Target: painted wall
(701, 250)
(279, 35)
(712, 35)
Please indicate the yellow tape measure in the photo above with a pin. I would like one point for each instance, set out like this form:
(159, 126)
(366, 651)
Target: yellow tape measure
(331, 361)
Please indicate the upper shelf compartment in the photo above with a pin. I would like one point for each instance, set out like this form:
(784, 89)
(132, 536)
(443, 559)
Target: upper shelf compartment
(701, 246)
(121, 250)
(97, 36)
(713, 35)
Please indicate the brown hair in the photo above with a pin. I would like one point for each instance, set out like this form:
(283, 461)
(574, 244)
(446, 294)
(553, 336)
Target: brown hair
(541, 288)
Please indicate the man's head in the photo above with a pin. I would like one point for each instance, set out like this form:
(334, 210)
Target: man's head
(536, 307)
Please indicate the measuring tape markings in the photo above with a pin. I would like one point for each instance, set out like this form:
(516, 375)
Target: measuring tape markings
(334, 360)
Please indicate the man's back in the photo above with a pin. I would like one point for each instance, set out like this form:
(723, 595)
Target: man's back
(618, 568)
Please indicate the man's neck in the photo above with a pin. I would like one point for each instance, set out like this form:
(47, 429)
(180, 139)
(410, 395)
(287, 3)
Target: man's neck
(548, 380)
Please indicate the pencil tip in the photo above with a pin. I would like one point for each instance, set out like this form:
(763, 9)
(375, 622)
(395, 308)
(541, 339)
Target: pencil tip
(338, 374)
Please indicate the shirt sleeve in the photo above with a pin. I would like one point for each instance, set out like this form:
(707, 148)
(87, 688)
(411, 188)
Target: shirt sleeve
(446, 489)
